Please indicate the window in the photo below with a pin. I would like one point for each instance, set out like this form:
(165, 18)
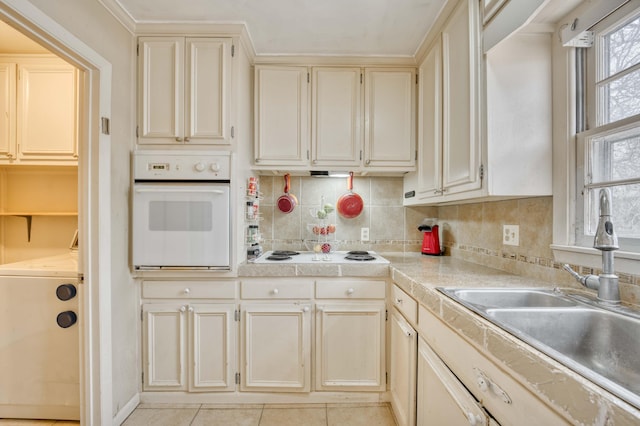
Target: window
(608, 150)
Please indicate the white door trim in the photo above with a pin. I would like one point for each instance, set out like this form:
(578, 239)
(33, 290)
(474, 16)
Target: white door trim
(96, 398)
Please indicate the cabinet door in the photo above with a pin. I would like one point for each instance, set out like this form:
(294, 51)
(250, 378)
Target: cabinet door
(281, 116)
(390, 117)
(276, 347)
(350, 346)
(337, 117)
(207, 75)
(47, 110)
(461, 140)
(442, 399)
(7, 109)
(161, 90)
(404, 344)
(430, 124)
(212, 347)
(164, 346)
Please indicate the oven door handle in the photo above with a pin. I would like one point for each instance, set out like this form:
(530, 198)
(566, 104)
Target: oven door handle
(178, 190)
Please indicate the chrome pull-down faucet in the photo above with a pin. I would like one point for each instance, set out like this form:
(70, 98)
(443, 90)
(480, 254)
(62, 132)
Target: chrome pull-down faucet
(606, 241)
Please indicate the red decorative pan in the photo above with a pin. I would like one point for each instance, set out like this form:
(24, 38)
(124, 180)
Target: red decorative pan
(350, 205)
(287, 202)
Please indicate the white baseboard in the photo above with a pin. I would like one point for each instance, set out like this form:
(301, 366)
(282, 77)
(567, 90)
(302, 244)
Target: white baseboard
(125, 411)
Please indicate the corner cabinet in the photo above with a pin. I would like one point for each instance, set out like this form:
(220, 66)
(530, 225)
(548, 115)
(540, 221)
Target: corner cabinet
(184, 90)
(484, 124)
(449, 142)
(362, 119)
(38, 111)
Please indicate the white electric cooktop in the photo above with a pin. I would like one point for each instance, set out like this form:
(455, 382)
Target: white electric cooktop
(342, 257)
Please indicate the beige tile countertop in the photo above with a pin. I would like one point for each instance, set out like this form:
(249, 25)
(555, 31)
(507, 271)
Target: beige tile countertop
(574, 397)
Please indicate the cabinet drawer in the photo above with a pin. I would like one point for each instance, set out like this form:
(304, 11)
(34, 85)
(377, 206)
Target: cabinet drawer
(189, 289)
(276, 288)
(350, 289)
(405, 304)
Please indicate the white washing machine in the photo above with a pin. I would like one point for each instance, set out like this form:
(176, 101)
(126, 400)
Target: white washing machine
(39, 339)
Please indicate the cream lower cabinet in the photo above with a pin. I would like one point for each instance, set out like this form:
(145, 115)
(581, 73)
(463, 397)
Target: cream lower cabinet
(276, 335)
(189, 335)
(404, 341)
(38, 111)
(189, 346)
(350, 335)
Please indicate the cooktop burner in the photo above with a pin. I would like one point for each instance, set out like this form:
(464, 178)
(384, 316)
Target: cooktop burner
(278, 257)
(360, 257)
(358, 252)
(308, 257)
(284, 253)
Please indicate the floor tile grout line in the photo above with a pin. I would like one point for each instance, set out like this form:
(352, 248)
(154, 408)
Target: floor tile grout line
(196, 415)
(261, 412)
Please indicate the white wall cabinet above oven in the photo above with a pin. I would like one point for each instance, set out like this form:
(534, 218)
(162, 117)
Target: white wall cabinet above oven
(38, 111)
(334, 118)
(184, 89)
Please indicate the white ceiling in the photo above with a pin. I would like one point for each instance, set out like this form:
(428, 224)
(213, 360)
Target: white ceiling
(305, 27)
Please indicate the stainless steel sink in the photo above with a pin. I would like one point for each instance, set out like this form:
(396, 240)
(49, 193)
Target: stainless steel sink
(599, 344)
(508, 297)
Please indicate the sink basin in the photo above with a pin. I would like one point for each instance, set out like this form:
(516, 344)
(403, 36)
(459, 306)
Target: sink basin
(597, 343)
(600, 345)
(508, 297)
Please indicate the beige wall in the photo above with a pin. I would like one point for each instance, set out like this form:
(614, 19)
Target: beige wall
(89, 21)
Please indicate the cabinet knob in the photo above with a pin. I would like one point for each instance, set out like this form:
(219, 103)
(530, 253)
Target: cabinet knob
(190, 309)
(183, 308)
(398, 301)
(367, 162)
(305, 309)
(178, 139)
(66, 319)
(187, 139)
(66, 292)
(350, 291)
(275, 291)
(187, 290)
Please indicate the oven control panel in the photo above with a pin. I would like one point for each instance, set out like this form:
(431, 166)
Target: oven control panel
(174, 165)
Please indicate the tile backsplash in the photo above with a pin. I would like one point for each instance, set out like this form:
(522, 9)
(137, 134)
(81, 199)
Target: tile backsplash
(469, 231)
(392, 227)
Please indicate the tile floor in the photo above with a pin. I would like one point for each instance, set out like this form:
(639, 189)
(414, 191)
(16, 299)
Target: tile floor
(244, 415)
(262, 415)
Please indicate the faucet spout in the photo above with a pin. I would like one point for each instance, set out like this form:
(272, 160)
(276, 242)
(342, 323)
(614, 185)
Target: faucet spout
(606, 241)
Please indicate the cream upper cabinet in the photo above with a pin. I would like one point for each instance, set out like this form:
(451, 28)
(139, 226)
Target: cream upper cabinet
(460, 84)
(390, 117)
(336, 123)
(281, 117)
(7, 110)
(184, 90)
(450, 157)
(39, 101)
(360, 119)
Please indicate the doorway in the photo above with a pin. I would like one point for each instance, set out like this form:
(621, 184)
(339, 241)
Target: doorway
(94, 260)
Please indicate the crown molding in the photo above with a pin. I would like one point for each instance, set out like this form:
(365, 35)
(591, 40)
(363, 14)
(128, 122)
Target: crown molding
(121, 15)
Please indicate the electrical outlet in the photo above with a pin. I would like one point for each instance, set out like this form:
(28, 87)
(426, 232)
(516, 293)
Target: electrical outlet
(511, 235)
(364, 234)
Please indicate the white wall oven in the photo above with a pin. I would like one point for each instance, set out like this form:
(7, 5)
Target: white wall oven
(181, 210)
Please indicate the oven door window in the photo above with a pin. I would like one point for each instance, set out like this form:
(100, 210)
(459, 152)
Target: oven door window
(181, 225)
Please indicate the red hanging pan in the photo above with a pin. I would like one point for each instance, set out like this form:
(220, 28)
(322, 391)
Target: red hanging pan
(350, 205)
(287, 202)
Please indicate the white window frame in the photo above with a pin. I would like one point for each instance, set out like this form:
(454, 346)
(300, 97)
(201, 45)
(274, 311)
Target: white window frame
(569, 160)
